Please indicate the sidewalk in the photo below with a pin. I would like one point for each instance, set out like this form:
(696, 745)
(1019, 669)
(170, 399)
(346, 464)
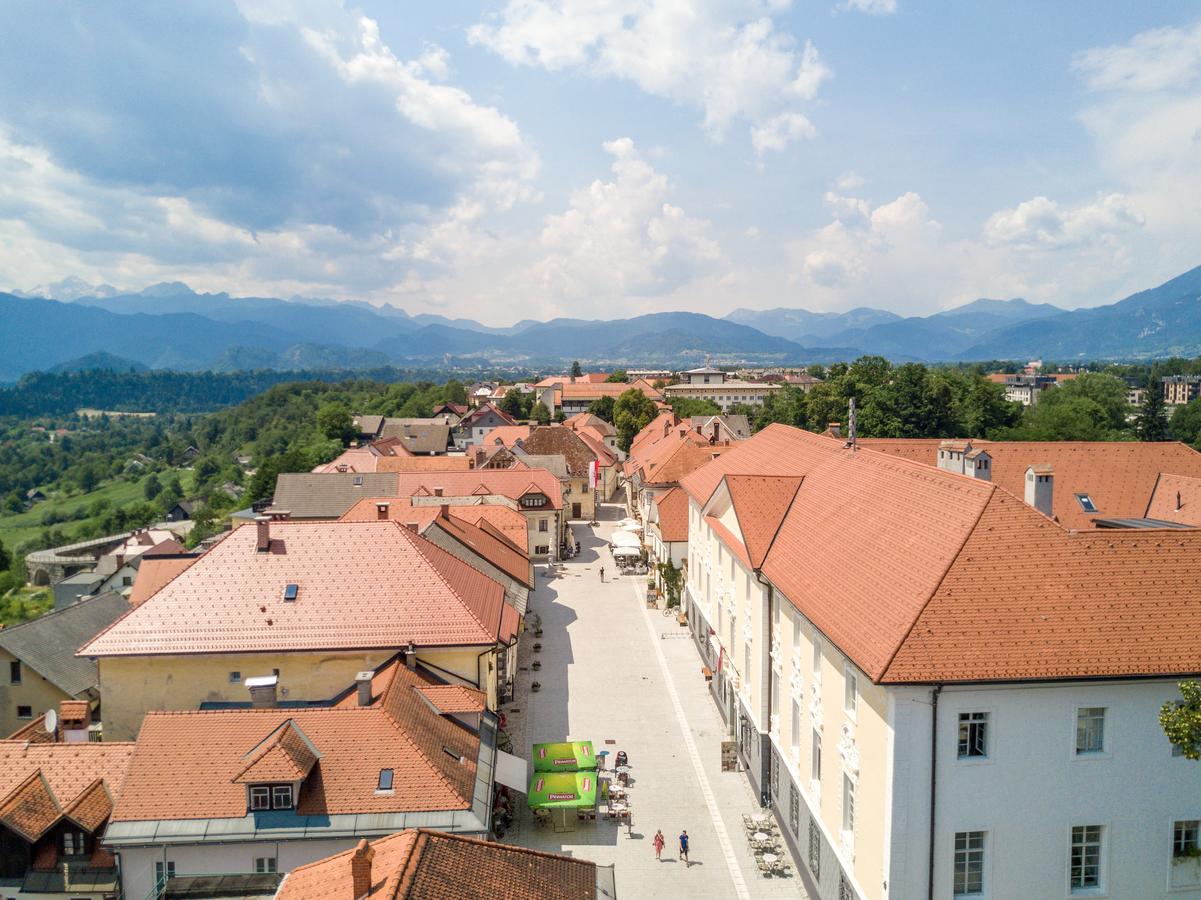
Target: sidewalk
(627, 678)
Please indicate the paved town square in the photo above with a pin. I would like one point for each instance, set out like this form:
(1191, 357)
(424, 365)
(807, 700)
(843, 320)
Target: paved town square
(629, 678)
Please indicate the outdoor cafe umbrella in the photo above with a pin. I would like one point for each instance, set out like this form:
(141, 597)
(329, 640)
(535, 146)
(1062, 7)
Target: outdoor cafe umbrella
(619, 552)
(624, 539)
(562, 791)
(565, 756)
(629, 525)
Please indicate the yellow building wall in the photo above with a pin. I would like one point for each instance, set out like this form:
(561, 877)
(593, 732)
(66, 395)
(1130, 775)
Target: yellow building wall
(34, 691)
(131, 686)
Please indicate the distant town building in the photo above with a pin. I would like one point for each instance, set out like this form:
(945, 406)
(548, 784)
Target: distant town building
(715, 385)
(1179, 390)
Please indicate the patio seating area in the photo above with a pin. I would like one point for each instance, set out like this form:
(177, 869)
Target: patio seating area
(763, 836)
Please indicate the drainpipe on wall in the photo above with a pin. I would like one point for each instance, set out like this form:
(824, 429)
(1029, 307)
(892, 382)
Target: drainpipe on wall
(772, 687)
(933, 781)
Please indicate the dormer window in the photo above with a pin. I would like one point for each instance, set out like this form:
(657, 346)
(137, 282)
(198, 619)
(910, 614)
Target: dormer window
(533, 500)
(270, 796)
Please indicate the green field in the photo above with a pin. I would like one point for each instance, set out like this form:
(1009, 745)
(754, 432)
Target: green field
(21, 527)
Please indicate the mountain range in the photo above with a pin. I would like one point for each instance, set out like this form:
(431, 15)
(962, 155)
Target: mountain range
(74, 325)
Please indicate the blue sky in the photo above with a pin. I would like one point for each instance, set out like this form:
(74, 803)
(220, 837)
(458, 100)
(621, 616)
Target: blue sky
(598, 158)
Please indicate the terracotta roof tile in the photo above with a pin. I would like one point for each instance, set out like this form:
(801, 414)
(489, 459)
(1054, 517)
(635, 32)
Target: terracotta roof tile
(505, 520)
(1119, 476)
(40, 780)
(91, 808)
(361, 585)
(432, 865)
(154, 573)
(673, 516)
(454, 698)
(406, 464)
(502, 482)
(1176, 498)
(760, 503)
(492, 547)
(186, 763)
(285, 755)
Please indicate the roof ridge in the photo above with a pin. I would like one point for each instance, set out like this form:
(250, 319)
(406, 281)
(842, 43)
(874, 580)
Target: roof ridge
(941, 578)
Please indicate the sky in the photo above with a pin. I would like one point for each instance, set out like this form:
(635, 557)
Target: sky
(598, 158)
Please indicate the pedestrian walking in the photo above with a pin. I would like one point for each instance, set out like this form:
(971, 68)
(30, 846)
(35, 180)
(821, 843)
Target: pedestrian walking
(684, 847)
(602, 574)
(659, 841)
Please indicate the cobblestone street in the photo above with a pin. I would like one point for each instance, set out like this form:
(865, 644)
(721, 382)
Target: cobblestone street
(628, 678)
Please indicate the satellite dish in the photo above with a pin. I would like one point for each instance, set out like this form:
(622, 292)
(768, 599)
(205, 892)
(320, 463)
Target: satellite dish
(51, 721)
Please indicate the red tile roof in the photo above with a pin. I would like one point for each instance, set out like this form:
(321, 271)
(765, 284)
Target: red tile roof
(423, 464)
(284, 755)
(40, 783)
(1176, 498)
(673, 516)
(921, 575)
(433, 865)
(154, 573)
(186, 764)
(504, 519)
(760, 503)
(1119, 476)
(361, 585)
(513, 484)
(490, 545)
(454, 698)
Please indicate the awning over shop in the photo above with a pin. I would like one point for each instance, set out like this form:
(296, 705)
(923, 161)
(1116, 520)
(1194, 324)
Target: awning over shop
(511, 771)
(566, 756)
(626, 552)
(562, 790)
(624, 539)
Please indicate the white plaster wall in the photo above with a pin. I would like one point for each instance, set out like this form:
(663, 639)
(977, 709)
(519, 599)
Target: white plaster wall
(1033, 789)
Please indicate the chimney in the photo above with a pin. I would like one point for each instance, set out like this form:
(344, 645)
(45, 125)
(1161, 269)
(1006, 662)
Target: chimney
(835, 428)
(262, 541)
(262, 691)
(381, 510)
(437, 492)
(1040, 484)
(360, 869)
(444, 511)
(280, 515)
(411, 656)
(74, 720)
(362, 681)
(716, 431)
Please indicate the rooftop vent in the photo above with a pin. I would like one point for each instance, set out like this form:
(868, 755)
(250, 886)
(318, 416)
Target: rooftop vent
(362, 682)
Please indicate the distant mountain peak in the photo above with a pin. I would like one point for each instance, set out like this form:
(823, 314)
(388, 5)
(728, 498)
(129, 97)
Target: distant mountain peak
(69, 288)
(168, 289)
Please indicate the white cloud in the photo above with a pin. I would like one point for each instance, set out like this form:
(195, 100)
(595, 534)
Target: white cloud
(1161, 59)
(871, 7)
(726, 58)
(621, 238)
(777, 133)
(1042, 223)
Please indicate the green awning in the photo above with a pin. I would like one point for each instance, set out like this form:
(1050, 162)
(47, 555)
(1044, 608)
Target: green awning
(566, 756)
(562, 790)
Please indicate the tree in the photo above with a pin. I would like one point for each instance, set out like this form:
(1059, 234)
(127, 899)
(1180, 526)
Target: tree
(686, 407)
(576, 371)
(151, 487)
(602, 408)
(1181, 719)
(541, 414)
(514, 404)
(1151, 423)
(335, 422)
(1091, 407)
(1186, 423)
(632, 412)
(617, 376)
(6, 559)
(454, 392)
(911, 404)
(673, 580)
(785, 407)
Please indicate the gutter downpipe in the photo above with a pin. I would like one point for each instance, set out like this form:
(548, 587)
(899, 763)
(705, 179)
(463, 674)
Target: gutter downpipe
(771, 684)
(933, 782)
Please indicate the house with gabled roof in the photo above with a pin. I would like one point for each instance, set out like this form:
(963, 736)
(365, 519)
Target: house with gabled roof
(55, 800)
(434, 865)
(937, 687)
(308, 602)
(38, 665)
(226, 801)
(474, 427)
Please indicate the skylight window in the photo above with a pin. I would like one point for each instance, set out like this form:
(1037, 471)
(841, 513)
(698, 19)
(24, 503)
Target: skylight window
(290, 592)
(385, 780)
(358, 481)
(1086, 503)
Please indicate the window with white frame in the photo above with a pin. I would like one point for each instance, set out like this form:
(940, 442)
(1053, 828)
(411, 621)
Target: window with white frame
(746, 666)
(848, 804)
(1186, 838)
(164, 870)
(815, 761)
(973, 735)
(1090, 730)
(815, 849)
(968, 878)
(775, 699)
(817, 657)
(850, 698)
(796, 727)
(1084, 867)
(264, 865)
